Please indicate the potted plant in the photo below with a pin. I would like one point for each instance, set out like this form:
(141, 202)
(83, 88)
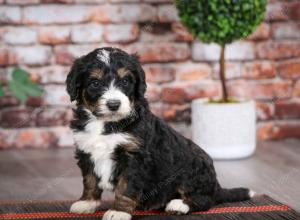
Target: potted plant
(225, 127)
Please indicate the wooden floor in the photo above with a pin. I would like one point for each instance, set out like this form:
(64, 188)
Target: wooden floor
(53, 174)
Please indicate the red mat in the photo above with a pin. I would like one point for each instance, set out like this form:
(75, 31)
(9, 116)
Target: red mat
(260, 208)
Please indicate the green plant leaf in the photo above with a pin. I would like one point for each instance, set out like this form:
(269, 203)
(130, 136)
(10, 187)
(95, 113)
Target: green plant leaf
(1, 91)
(17, 91)
(31, 89)
(20, 75)
(22, 87)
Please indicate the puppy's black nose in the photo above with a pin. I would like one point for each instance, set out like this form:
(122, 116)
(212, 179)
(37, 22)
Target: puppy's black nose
(113, 104)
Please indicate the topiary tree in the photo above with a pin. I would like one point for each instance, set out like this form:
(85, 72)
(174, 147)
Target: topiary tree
(221, 22)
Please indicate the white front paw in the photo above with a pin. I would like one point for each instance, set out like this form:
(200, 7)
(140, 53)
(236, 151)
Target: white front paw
(177, 206)
(116, 215)
(84, 206)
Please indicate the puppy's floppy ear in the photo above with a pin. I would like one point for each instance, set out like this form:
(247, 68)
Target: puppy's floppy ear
(74, 79)
(141, 88)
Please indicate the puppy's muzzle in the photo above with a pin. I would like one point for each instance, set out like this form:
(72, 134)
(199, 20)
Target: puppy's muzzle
(113, 104)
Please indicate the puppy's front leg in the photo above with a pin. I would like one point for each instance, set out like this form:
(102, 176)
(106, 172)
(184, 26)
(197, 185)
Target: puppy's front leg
(90, 198)
(123, 205)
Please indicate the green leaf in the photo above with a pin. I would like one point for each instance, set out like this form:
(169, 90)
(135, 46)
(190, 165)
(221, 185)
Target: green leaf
(17, 91)
(1, 91)
(20, 75)
(22, 87)
(31, 89)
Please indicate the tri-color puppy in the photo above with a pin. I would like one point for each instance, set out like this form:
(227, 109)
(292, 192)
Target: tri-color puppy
(123, 147)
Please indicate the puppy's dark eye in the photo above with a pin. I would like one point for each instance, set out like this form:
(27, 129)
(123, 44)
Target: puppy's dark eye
(125, 82)
(95, 84)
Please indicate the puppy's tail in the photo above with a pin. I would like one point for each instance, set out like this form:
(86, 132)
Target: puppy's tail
(233, 195)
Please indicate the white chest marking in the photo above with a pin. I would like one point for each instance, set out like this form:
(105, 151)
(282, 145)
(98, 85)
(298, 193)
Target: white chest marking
(100, 148)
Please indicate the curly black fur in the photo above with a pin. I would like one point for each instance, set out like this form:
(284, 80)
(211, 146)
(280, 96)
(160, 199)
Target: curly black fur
(165, 165)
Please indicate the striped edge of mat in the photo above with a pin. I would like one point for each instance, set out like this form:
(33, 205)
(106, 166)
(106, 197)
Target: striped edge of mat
(263, 207)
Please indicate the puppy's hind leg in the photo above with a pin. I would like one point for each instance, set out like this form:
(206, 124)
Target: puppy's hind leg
(233, 195)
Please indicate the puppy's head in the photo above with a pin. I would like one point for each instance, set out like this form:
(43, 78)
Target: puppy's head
(108, 82)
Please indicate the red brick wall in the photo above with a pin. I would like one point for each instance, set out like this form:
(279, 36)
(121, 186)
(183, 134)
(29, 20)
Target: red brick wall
(44, 36)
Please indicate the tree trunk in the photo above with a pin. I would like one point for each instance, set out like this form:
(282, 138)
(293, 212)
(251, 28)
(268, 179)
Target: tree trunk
(222, 74)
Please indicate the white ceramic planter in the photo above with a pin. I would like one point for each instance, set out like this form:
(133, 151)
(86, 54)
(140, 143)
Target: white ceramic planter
(224, 131)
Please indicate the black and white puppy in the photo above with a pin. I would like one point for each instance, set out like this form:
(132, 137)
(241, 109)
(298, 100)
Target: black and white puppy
(123, 147)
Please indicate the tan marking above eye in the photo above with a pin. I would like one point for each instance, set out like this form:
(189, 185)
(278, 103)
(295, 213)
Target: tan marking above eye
(122, 72)
(97, 73)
